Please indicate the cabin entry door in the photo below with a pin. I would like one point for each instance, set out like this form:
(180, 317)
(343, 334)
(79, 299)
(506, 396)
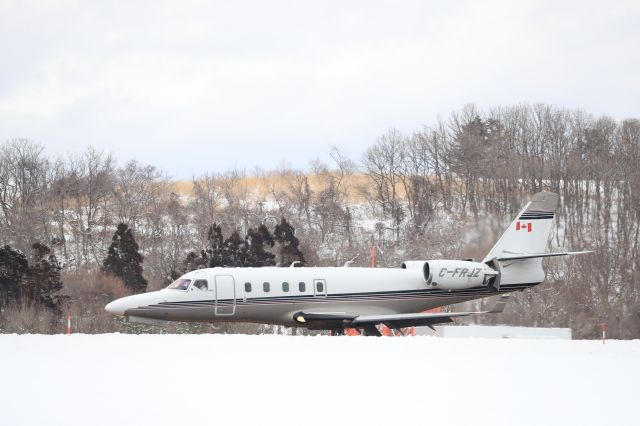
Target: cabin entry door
(225, 295)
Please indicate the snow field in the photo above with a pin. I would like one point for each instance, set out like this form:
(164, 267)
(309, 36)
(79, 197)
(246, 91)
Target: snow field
(114, 379)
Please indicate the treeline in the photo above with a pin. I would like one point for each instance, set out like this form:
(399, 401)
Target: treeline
(446, 190)
(35, 286)
(483, 164)
(254, 250)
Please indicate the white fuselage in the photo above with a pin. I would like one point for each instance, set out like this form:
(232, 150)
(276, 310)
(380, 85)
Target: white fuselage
(273, 295)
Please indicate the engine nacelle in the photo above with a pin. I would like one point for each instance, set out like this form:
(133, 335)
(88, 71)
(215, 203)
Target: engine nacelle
(453, 274)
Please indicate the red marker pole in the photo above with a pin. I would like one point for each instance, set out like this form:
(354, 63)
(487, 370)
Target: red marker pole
(68, 324)
(373, 254)
(604, 332)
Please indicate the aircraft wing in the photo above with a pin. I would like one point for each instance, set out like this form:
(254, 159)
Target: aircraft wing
(419, 319)
(328, 319)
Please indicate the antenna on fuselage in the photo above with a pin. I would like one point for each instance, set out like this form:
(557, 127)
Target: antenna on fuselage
(294, 263)
(349, 262)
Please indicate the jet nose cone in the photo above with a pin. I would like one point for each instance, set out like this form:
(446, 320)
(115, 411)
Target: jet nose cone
(117, 307)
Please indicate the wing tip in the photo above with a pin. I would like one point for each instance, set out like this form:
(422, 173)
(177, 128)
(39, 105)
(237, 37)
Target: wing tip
(500, 305)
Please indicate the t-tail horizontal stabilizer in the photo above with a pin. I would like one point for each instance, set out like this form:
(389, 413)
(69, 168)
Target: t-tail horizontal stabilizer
(537, 255)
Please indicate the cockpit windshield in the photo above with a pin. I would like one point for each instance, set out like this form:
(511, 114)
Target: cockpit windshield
(180, 284)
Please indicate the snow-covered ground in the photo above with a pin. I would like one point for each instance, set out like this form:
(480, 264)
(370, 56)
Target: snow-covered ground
(234, 379)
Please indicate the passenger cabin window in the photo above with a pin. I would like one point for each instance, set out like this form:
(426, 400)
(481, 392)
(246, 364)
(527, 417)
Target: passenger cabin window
(201, 284)
(247, 287)
(302, 287)
(319, 287)
(285, 287)
(180, 284)
(266, 287)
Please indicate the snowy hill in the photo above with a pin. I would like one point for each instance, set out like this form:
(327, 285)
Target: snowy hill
(114, 379)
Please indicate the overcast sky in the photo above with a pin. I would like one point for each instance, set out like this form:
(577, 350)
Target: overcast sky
(197, 86)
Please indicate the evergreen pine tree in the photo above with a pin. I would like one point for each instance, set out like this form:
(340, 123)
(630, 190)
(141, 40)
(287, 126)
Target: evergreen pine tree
(234, 250)
(194, 261)
(216, 246)
(256, 254)
(124, 261)
(43, 283)
(267, 238)
(13, 268)
(284, 235)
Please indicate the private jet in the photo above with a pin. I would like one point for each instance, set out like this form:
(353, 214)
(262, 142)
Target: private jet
(335, 298)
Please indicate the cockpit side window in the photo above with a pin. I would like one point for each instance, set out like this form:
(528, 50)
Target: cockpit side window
(180, 284)
(201, 284)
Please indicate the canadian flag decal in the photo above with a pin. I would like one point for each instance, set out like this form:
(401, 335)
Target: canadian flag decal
(523, 226)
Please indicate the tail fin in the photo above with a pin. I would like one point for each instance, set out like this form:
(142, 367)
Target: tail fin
(529, 232)
(527, 235)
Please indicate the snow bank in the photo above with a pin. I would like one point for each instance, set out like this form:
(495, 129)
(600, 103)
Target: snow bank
(497, 332)
(217, 379)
